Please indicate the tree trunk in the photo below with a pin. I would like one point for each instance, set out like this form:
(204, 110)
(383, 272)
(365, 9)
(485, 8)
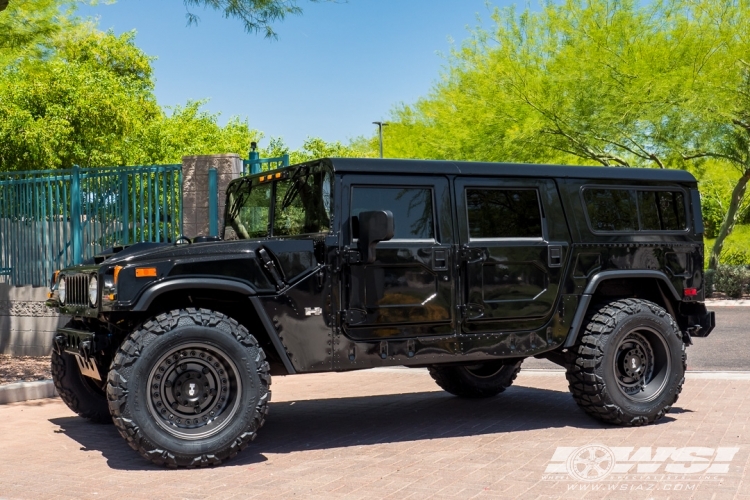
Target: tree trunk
(728, 224)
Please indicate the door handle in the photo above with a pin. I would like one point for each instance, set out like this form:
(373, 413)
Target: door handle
(554, 255)
(440, 259)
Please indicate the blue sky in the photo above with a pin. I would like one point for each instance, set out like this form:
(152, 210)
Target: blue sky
(332, 72)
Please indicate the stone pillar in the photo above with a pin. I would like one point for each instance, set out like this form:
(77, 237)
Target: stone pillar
(27, 326)
(195, 189)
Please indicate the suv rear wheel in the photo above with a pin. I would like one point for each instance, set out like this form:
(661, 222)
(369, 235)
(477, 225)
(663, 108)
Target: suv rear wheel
(629, 363)
(476, 381)
(196, 395)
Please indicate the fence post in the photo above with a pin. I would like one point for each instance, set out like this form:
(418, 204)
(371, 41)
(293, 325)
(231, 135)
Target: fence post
(75, 214)
(254, 162)
(285, 160)
(125, 210)
(213, 203)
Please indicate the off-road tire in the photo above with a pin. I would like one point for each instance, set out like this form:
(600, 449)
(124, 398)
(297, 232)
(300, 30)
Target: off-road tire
(80, 393)
(169, 339)
(477, 381)
(593, 374)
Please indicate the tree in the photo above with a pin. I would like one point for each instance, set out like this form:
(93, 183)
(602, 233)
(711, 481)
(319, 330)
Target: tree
(614, 83)
(256, 15)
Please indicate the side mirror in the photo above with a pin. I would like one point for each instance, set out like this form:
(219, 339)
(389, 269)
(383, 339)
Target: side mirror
(374, 226)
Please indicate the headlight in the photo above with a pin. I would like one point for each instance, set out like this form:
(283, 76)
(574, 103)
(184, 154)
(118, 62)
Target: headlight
(93, 291)
(61, 290)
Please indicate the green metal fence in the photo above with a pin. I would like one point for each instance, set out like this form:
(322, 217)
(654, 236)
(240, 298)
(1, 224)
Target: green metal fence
(50, 219)
(255, 164)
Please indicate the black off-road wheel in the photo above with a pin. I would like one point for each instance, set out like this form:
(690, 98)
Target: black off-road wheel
(482, 380)
(629, 364)
(82, 394)
(189, 388)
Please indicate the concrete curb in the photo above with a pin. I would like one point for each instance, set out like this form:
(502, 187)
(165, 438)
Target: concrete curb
(727, 303)
(26, 391)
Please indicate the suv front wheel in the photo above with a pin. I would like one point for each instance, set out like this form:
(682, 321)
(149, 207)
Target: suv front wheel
(189, 388)
(476, 381)
(629, 363)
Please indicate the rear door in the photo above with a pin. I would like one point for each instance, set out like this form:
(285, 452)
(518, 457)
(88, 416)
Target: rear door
(409, 290)
(514, 243)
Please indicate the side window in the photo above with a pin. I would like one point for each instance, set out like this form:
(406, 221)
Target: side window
(661, 210)
(611, 209)
(254, 208)
(628, 210)
(411, 208)
(503, 213)
(303, 204)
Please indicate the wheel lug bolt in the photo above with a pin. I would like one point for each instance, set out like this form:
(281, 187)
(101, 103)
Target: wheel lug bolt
(192, 353)
(171, 417)
(155, 386)
(223, 381)
(221, 372)
(179, 420)
(163, 410)
(210, 358)
(205, 418)
(205, 370)
(156, 394)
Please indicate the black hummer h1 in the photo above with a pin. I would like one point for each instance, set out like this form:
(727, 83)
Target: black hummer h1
(340, 264)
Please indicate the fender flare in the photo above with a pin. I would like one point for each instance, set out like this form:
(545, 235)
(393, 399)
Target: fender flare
(151, 293)
(593, 284)
(154, 291)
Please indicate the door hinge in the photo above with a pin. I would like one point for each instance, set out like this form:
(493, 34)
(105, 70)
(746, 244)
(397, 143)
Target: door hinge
(270, 266)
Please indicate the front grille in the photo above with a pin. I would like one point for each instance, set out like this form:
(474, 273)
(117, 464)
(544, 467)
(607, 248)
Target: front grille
(77, 290)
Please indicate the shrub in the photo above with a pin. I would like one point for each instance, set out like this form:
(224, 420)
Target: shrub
(731, 280)
(708, 279)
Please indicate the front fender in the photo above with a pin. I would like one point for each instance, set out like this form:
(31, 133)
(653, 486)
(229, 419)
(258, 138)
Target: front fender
(151, 293)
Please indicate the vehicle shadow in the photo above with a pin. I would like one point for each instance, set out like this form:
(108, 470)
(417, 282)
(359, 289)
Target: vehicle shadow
(356, 421)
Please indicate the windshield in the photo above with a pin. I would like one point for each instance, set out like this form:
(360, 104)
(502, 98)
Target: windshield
(299, 203)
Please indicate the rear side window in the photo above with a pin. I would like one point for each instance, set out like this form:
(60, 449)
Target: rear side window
(503, 213)
(411, 208)
(631, 210)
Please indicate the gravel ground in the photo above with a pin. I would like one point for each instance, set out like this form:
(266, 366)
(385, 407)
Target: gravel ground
(23, 368)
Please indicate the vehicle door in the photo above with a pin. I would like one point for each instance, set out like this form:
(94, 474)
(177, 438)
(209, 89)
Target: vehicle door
(514, 242)
(409, 290)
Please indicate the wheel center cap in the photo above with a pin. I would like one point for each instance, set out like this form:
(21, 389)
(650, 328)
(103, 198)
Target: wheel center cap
(192, 389)
(633, 363)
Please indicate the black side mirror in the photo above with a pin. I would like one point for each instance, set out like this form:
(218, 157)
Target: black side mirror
(374, 226)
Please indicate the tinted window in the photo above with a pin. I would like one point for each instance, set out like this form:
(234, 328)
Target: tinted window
(303, 204)
(611, 209)
(631, 210)
(411, 207)
(661, 210)
(503, 213)
(248, 213)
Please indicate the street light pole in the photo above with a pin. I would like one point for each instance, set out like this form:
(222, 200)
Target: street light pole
(380, 134)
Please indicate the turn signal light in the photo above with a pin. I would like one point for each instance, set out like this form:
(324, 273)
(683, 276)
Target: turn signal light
(54, 277)
(145, 272)
(117, 272)
(690, 292)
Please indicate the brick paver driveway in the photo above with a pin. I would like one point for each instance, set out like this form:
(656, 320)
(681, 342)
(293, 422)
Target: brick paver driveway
(393, 434)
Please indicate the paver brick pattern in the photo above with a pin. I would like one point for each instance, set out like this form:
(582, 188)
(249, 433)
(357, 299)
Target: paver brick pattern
(378, 434)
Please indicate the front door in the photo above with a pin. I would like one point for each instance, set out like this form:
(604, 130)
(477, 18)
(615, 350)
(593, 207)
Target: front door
(408, 290)
(514, 242)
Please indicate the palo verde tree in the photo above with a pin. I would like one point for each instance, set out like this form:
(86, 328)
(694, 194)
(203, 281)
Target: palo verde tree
(613, 83)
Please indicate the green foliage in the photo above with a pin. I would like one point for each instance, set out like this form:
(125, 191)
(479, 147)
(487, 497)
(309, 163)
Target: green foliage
(189, 131)
(736, 250)
(615, 83)
(78, 106)
(256, 15)
(731, 280)
(315, 147)
(87, 99)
